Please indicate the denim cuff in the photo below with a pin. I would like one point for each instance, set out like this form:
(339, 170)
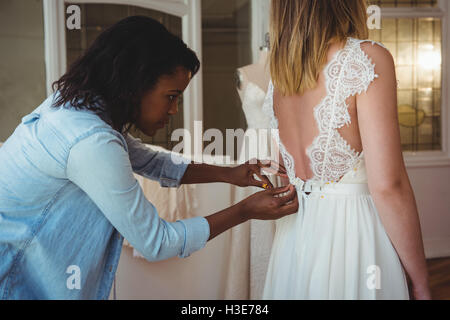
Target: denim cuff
(196, 235)
(173, 170)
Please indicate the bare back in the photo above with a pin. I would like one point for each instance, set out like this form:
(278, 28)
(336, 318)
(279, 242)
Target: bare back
(319, 130)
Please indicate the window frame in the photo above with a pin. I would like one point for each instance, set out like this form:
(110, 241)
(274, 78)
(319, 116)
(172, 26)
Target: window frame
(188, 10)
(431, 158)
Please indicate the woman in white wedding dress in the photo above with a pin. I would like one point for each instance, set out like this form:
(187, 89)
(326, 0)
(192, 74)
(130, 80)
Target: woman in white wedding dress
(332, 100)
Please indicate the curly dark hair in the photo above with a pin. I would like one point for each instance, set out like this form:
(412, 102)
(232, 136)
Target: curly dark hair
(124, 62)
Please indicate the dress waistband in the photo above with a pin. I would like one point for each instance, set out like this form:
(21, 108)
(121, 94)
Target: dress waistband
(331, 187)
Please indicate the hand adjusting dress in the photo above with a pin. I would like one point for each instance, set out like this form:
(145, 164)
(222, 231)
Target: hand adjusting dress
(335, 246)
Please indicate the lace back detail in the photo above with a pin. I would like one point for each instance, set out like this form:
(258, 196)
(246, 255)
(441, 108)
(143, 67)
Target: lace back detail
(348, 73)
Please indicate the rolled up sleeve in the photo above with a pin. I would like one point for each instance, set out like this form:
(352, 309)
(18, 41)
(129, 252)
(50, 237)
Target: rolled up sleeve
(100, 166)
(167, 168)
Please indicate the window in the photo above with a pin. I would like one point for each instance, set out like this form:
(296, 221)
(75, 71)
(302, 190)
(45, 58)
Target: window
(415, 44)
(412, 31)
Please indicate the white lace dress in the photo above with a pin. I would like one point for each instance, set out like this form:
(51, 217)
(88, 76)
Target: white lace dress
(335, 246)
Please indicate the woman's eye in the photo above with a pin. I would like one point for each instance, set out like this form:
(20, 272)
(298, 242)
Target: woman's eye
(171, 98)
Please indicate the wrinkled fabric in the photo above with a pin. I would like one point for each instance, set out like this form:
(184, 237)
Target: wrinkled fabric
(335, 248)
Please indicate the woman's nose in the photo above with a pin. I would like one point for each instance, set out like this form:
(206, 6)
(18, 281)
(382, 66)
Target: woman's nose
(173, 109)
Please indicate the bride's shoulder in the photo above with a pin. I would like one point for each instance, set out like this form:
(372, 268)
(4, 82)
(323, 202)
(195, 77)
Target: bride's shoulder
(373, 49)
(374, 52)
(370, 59)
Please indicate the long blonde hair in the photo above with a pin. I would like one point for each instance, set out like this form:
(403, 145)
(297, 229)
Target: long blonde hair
(300, 34)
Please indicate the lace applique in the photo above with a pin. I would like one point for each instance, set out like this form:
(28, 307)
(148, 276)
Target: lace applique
(349, 72)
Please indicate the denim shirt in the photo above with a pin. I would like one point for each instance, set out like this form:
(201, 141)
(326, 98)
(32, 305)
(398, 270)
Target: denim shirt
(68, 198)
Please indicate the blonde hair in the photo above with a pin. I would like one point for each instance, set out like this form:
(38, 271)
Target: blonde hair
(300, 34)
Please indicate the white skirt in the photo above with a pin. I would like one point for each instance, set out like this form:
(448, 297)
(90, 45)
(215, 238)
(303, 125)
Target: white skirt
(335, 247)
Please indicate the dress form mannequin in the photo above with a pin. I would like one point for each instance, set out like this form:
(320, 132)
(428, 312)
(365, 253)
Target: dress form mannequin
(258, 73)
(250, 243)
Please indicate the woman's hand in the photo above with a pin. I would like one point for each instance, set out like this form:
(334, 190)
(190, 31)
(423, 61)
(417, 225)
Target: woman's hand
(269, 205)
(243, 175)
(263, 205)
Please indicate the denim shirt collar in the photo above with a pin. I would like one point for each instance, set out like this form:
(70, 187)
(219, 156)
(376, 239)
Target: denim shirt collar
(100, 110)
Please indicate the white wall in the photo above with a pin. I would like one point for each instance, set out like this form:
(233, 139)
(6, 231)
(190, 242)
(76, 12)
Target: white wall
(432, 191)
